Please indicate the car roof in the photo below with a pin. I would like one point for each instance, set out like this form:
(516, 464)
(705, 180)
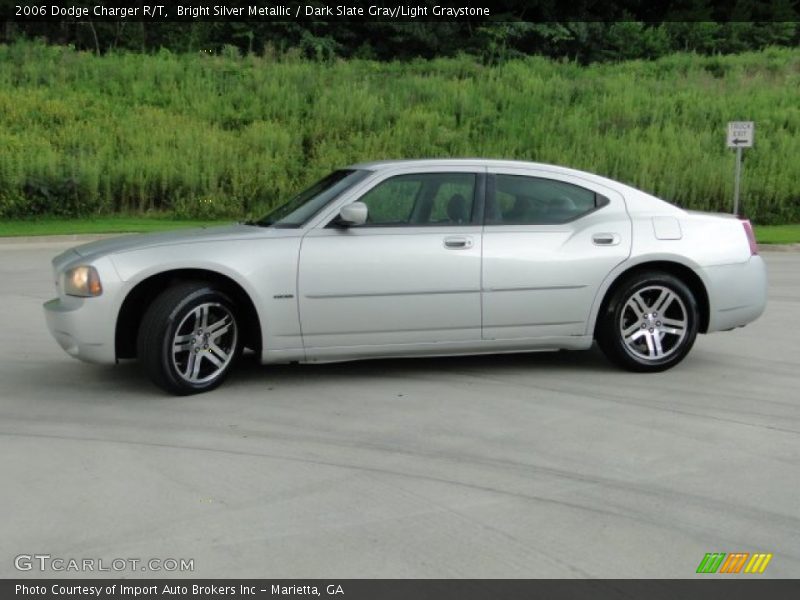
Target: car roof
(381, 165)
(377, 165)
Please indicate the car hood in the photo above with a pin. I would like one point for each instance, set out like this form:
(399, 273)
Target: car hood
(138, 241)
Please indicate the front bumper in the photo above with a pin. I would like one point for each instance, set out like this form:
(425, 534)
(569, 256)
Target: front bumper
(75, 323)
(737, 293)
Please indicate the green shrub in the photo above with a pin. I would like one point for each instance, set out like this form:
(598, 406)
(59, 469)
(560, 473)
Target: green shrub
(224, 135)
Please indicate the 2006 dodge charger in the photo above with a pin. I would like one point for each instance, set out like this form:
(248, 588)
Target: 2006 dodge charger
(413, 258)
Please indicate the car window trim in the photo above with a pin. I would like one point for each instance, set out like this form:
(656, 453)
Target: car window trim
(600, 200)
(479, 196)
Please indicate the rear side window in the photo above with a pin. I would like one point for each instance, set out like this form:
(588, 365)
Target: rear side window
(421, 199)
(522, 200)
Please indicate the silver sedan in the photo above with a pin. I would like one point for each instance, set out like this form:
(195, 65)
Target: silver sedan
(415, 258)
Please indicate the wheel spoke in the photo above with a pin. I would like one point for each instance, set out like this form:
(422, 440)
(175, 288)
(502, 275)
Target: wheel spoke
(629, 331)
(216, 350)
(220, 327)
(198, 315)
(635, 335)
(190, 365)
(182, 343)
(214, 360)
(679, 325)
(663, 301)
(198, 362)
(648, 337)
(638, 305)
(657, 348)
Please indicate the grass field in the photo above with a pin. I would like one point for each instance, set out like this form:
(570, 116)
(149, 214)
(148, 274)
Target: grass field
(778, 234)
(207, 137)
(765, 234)
(107, 224)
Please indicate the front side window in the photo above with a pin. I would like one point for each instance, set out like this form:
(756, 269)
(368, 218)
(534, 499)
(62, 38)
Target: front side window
(421, 199)
(297, 211)
(523, 200)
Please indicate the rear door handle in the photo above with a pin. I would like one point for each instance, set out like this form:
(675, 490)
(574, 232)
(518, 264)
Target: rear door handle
(605, 239)
(458, 242)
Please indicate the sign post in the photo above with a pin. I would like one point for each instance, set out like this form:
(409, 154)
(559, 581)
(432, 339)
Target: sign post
(740, 135)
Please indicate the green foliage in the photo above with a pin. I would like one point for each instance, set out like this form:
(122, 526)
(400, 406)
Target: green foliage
(213, 135)
(778, 234)
(612, 36)
(110, 224)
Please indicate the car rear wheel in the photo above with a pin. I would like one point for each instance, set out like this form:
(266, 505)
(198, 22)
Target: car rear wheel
(189, 338)
(650, 322)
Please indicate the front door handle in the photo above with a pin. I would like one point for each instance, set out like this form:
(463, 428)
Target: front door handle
(458, 242)
(605, 239)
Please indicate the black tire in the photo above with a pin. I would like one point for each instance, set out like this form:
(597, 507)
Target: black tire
(179, 308)
(631, 308)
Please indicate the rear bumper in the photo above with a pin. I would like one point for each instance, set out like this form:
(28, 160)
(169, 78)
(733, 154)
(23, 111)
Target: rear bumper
(737, 293)
(78, 330)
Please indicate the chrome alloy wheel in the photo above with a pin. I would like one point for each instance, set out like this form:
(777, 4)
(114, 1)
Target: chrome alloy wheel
(204, 343)
(653, 323)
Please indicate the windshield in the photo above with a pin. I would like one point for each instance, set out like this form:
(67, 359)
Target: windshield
(297, 211)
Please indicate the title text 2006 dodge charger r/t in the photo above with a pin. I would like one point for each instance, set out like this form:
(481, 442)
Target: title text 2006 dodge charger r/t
(412, 258)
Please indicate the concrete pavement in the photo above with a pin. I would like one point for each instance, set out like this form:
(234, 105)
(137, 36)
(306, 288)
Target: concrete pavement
(541, 465)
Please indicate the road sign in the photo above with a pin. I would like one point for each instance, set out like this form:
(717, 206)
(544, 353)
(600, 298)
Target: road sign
(740, 134)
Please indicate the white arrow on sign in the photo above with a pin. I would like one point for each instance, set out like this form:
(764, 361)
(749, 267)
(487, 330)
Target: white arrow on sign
(740, 134)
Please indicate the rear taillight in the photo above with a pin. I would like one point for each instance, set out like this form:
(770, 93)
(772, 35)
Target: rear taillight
(751, 237)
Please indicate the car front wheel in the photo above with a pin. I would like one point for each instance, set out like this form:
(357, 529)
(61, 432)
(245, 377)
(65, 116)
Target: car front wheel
(650, 322)
(189, 338)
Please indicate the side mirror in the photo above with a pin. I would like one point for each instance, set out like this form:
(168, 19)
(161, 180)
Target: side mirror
(354, 213)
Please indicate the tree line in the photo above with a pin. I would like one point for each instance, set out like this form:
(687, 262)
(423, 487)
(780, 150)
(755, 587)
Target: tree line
(493, 41)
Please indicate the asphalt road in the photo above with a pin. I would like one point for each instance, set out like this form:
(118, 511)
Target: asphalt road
(542, 465)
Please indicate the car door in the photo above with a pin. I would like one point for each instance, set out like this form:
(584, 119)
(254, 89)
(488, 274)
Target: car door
(409, 275)
(549, 242)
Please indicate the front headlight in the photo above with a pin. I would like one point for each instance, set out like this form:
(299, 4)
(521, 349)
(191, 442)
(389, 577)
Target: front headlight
(82, 281)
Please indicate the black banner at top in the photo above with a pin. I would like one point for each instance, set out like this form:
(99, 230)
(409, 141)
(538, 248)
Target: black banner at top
(394, 589)
(421, 10)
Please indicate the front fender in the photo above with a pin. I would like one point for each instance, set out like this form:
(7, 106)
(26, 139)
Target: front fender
(266, 270)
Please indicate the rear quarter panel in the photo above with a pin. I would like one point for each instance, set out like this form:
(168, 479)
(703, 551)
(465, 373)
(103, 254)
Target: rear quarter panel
(715, 247)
